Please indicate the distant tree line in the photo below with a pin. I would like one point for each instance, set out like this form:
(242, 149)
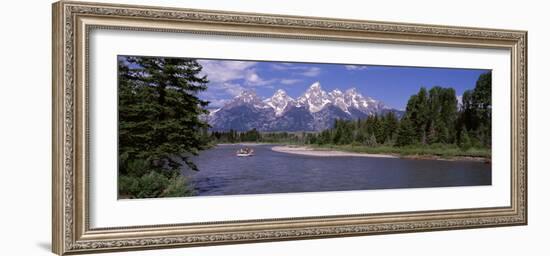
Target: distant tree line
(433, 116)
(374, 130)
(233, 136)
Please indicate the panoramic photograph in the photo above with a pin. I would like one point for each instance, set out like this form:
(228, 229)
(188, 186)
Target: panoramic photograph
(214, 127)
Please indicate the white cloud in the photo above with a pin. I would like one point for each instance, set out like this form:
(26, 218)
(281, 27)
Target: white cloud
(225, 71)
(284, 66)
(355, 67)
(224, 74)
(222, 91)
(312, 72)
(217, 103)
(297, 69)
(290, 81)
(252, 78)
(232, 88)
(220, 72)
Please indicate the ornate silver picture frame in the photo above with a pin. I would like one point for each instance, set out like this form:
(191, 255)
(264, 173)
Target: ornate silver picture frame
(74, 21)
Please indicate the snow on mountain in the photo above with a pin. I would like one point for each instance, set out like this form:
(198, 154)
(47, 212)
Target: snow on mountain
(315, 99)
(347, 101)
(354, 99)
(280, 102)
(313, 111)
(247, 97)
(337, 99)
(213, 111)
(245, 112)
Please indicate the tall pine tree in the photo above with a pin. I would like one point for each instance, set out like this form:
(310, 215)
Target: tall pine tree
(159, 114)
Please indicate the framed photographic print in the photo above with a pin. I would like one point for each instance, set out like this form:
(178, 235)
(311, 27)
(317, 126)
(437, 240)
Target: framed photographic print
(179, 127)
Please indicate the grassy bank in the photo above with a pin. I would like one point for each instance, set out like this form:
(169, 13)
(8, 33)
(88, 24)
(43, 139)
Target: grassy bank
(437, 151)
(433, 151)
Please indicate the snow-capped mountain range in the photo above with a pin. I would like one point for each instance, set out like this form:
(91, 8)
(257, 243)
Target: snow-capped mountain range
(314, 110)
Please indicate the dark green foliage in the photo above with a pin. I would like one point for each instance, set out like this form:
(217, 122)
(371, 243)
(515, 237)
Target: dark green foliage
(371, 141)
(418, 112)
(475, 113)
(464, 138)
(431, 117)
(343, 132)
(178, 186)
(159, 124)
(374, 130)
(406, 134)
(442, 114)
(254, 135)
(324, 137)
(141, 182)
(152, 185)
(390, 126)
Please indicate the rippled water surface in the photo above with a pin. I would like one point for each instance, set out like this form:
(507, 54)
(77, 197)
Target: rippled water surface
(222, 173)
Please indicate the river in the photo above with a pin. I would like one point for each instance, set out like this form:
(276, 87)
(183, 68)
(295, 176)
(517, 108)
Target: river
(222, 173)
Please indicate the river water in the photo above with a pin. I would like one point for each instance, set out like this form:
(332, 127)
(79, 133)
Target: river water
(222, 173)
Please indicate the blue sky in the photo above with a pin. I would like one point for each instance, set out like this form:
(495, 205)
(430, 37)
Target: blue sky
(392, 85)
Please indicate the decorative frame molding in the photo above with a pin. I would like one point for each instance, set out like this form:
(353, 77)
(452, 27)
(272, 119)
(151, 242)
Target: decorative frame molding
(72, 22)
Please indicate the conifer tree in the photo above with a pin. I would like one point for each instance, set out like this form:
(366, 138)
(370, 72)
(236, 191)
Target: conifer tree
(406, 133)
(159, 115)
(391, 123)
(464, 139)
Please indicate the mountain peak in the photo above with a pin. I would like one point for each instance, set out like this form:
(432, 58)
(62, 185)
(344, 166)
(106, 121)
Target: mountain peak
(352, 91)
(247, 96)
(315, 86)
(280, 102)
(314, 98)
(314, 110)
(336, 92)
(280, 92)
(246, 93)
